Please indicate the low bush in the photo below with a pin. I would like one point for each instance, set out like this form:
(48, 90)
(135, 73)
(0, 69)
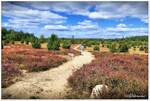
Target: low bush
(2, 45)
(27, 42)
(6, 42)
(118, 71)
(22, 41)
(53, 43)
(66, 44)
(10, 74)
(12, 42)
(113, 47)
(96, 48)
(123, 48)
(141, 48)
(36, 44)
(146, 49)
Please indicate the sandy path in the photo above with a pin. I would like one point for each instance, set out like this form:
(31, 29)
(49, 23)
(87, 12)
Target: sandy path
(47, 84)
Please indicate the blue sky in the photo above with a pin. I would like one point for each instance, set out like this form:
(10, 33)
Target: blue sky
(81, 19)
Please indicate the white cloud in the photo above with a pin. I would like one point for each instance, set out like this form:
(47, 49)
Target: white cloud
(121, 25)
(46, 17)
(12, 10)
(56, 27)
(80, 26)
(85, 25)
(128, 29)
(124, 30)
(78, 8)
(103, 10)
(120, 10)
(23, 17)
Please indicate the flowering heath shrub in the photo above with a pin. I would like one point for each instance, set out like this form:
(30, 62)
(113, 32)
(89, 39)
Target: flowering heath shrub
(20, 57)
(124, 74)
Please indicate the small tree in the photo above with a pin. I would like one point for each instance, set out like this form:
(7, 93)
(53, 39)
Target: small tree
(72, 40)
(12, 42)
(27, 42)
(66, 44)
(36, 44)
(141, 48)
(2, 45)
(22, 41)
(113, 47)
(96, 48)
(146, 49)
(42, 39)
(134, 48)
(123, 48)
(6, 42)
(53, 43)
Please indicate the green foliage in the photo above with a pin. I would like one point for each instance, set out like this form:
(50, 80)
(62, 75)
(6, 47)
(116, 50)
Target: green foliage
(53, 43)
(42, 39)
(12, 42)
(22, 41)
(6, 41)
(27, 42)
(36, 44)
(146, 49)
(96, 48)
(123, 48)
(66, 44)
(141, 48)
(113, 48)
(2, 45)
(72, 40)
(12, 35)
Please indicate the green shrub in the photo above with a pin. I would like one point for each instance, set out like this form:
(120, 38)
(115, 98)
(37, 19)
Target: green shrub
(27, 42)
(123, 48)
(136, 87)
(6, 42)
(36, 44)
(42, 39)
(53, 43)
(22, 41)
(146, 49)
(141, 48)
(113, 47)
(134, 48)
(2, 45)
(12, 42)
(96, 48)
(66, 45)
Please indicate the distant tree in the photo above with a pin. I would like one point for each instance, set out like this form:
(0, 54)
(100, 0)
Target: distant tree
(96, 48)
(12, 42)
(36, 43)
(141, 48)
(113, 47)
(2, 45)
(146, 49)
(72, 40)
(42, 39)
(6, 41)
(53, 43)
(27, 42)
(66, 44)
(123, 48)
(22, 41)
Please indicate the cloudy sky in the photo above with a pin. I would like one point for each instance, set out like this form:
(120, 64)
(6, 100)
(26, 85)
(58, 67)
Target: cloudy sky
(81, 19)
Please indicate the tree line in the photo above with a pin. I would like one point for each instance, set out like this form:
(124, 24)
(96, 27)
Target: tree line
(115, 45)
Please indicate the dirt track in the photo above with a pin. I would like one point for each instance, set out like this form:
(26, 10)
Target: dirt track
(47, 84)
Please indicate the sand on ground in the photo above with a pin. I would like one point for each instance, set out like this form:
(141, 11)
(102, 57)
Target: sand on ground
(48, 84)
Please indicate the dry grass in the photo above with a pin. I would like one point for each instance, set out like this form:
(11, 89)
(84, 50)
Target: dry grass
(136, 51)
(44, 45)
